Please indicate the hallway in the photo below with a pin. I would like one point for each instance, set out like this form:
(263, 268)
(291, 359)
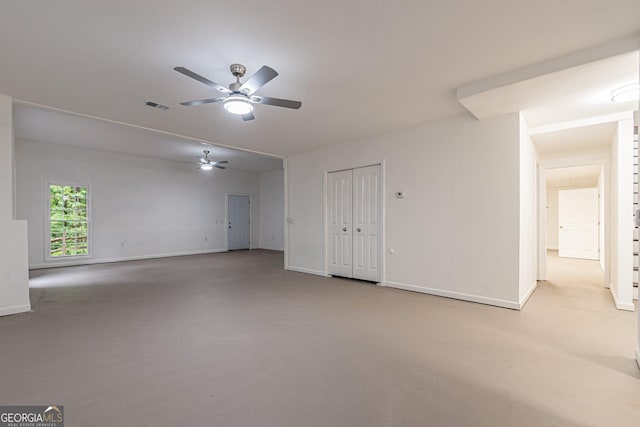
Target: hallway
(579, 279)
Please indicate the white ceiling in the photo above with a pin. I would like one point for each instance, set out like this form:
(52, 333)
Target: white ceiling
(575, 139)
(576, 176)
(359, 67)
(583, 92)
(571, 94)
(60, 128)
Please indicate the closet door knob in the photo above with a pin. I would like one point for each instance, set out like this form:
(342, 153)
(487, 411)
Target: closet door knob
(344, 229)
(359, 229)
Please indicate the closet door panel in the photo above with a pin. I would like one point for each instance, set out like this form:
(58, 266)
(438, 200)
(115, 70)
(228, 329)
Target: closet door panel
(367, 230)
(340, 238)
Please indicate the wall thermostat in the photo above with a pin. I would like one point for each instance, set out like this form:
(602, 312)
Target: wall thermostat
(400, 194)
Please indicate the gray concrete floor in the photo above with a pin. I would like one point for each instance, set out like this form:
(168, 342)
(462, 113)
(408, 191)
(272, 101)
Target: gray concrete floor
(233, 340)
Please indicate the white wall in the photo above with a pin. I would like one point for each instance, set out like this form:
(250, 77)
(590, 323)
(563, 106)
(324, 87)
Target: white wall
(271, 191)
(14, 275)
(140, 207)
(621, 224)
(528, 250)
(457, 231)
(552, 218)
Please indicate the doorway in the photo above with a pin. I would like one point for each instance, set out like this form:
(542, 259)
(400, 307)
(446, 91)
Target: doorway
(354, 223)
(614, 158)
(575, 214)
(238, 222)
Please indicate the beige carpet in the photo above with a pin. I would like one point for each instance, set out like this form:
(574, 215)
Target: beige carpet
(233, 340)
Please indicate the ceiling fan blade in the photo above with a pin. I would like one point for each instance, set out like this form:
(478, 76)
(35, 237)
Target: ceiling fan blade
(222, 162)
(219, 167)
(248, 116)
(201, 79)
(202, 160)
(263, 76)
(202, 101)
(287, 103)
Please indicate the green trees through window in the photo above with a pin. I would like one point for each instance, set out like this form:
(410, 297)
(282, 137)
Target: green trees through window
(68, 220)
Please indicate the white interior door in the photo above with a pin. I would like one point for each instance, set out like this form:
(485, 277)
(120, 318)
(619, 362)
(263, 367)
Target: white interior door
(339, 194)
(578, 223)
(367, 193)
(239, 222)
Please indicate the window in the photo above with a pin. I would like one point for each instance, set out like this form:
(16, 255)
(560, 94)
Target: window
(68, 221)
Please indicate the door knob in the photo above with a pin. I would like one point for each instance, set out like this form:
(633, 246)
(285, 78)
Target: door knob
(344, 229)
(359, 229)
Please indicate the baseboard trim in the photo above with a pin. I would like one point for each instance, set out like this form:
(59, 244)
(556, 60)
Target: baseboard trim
(55, 264)
(626, 306)
(455, 295)
(526, 296)
(15, 309)
(306, 271)
(269, 249)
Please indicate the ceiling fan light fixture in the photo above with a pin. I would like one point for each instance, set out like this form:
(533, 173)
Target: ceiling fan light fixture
(626, 93)
(206, 166)
(238, 104)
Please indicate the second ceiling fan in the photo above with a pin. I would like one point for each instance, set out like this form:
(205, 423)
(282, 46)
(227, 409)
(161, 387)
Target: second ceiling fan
(239, 97)
(207, 164)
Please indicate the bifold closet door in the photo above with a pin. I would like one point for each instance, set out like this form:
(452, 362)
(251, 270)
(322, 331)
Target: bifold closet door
(354, 223)
(367, 207)
(339, 195)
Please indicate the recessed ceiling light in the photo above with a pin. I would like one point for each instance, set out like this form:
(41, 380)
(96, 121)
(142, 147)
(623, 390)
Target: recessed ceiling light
(626, 93)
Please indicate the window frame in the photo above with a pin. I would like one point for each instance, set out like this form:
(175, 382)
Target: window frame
(47, 223)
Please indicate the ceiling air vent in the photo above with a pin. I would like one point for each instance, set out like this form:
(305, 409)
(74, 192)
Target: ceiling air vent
(156, 105)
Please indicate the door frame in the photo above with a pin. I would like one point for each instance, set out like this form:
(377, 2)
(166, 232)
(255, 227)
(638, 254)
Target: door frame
(325, 222)
(542, 213)
(226, 219)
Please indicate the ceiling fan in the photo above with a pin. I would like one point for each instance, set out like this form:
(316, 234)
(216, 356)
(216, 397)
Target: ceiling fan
(240, 97)
(207, 164)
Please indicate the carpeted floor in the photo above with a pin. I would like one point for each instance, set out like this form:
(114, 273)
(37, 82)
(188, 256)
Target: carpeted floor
(233, 340)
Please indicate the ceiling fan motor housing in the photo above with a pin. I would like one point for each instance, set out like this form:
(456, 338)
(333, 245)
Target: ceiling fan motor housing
(237, 70)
